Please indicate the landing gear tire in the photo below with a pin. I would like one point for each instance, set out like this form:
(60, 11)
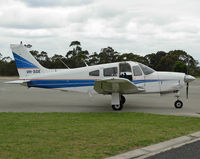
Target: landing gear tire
(178, 104)
(117, 107)
(123, 99)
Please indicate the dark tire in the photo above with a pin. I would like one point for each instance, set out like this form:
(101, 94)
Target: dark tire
(122, 100)
(117, 107)
(178, 104)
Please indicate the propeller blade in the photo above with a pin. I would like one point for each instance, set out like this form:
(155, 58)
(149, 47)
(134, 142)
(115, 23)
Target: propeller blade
(187, 89)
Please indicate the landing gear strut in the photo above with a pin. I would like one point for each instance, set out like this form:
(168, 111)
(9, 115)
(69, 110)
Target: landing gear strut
(118, 101)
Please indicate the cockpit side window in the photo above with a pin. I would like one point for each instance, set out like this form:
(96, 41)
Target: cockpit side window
(94, 73)
(124, 67)
(112, 71)
(137, 71)
(146, 69)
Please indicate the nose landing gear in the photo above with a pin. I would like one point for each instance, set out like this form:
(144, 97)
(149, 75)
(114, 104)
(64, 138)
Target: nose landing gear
(178, 104)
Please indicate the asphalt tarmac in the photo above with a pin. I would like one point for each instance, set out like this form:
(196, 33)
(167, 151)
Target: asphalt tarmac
(17, 98)
(188, 151)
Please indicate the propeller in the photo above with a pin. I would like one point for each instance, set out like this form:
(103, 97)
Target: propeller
(188, 79)
(187, 88)
(187, 84)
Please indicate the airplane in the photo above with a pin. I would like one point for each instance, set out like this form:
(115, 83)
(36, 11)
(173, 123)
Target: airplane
(115, 79)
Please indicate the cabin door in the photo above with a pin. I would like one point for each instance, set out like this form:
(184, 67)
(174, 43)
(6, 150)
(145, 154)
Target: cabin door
(125, 71)
(138, 77)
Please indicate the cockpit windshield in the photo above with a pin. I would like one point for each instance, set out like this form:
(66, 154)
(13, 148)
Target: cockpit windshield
(146, 70)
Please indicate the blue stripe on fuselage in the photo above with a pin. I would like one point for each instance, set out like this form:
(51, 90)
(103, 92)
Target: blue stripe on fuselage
(145, 81)
(72, 83)
(60, 83)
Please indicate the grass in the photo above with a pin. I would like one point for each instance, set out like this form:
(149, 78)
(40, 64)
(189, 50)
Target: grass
(85, 135)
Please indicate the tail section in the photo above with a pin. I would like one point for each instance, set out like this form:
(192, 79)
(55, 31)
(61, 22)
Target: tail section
(26, 64)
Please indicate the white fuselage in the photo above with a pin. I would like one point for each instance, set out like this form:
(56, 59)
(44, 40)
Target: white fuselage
(83, 79)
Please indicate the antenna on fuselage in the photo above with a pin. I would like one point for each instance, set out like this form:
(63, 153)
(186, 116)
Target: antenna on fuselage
(85, 64)
(64, 63)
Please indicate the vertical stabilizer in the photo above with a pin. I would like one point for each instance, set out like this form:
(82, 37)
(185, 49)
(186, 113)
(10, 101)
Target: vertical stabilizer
(26, 64)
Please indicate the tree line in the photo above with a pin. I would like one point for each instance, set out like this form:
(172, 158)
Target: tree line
(176, 60)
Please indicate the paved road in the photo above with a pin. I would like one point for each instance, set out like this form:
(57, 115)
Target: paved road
(189, 151)
(16, 98)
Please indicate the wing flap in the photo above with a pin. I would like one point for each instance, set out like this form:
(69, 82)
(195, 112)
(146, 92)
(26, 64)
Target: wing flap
(113, 85)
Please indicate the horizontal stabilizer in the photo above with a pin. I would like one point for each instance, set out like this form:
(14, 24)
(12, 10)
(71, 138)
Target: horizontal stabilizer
(22, 82)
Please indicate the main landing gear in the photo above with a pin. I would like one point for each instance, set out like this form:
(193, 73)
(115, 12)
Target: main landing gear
(118, 101)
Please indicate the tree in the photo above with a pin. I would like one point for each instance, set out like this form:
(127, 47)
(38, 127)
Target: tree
(56, 61)
(175, 60)
(42, 58)
(108, 55)
(187, 59)
(166, 63)
(93, 59)
(35, 54)
(180, 67)
(153, 59)
(28, 45)
(75, 43)
(76, 57)
(6, 59)
(132, 57)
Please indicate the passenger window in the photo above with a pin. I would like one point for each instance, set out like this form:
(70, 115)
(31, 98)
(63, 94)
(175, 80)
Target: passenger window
(137, 71)
(147, 70)
(110, 71)
(94, 73)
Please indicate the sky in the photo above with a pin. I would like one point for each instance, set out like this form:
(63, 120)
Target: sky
(137, 26)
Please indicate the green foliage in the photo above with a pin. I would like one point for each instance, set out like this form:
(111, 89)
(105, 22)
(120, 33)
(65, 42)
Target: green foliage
(166, 63)
(154, 59)
(75, 43)
(108, 55)
(8, 68)
(94, 59)
(76, 57)
(179, 66)
(133, 57)
(175, 60)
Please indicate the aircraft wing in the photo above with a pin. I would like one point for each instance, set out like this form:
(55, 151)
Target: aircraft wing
(116, 85)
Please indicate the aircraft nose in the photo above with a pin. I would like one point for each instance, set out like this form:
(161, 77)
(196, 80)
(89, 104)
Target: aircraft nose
(189, 78)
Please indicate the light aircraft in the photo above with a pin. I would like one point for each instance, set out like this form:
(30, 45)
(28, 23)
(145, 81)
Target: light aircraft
(115, 79)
